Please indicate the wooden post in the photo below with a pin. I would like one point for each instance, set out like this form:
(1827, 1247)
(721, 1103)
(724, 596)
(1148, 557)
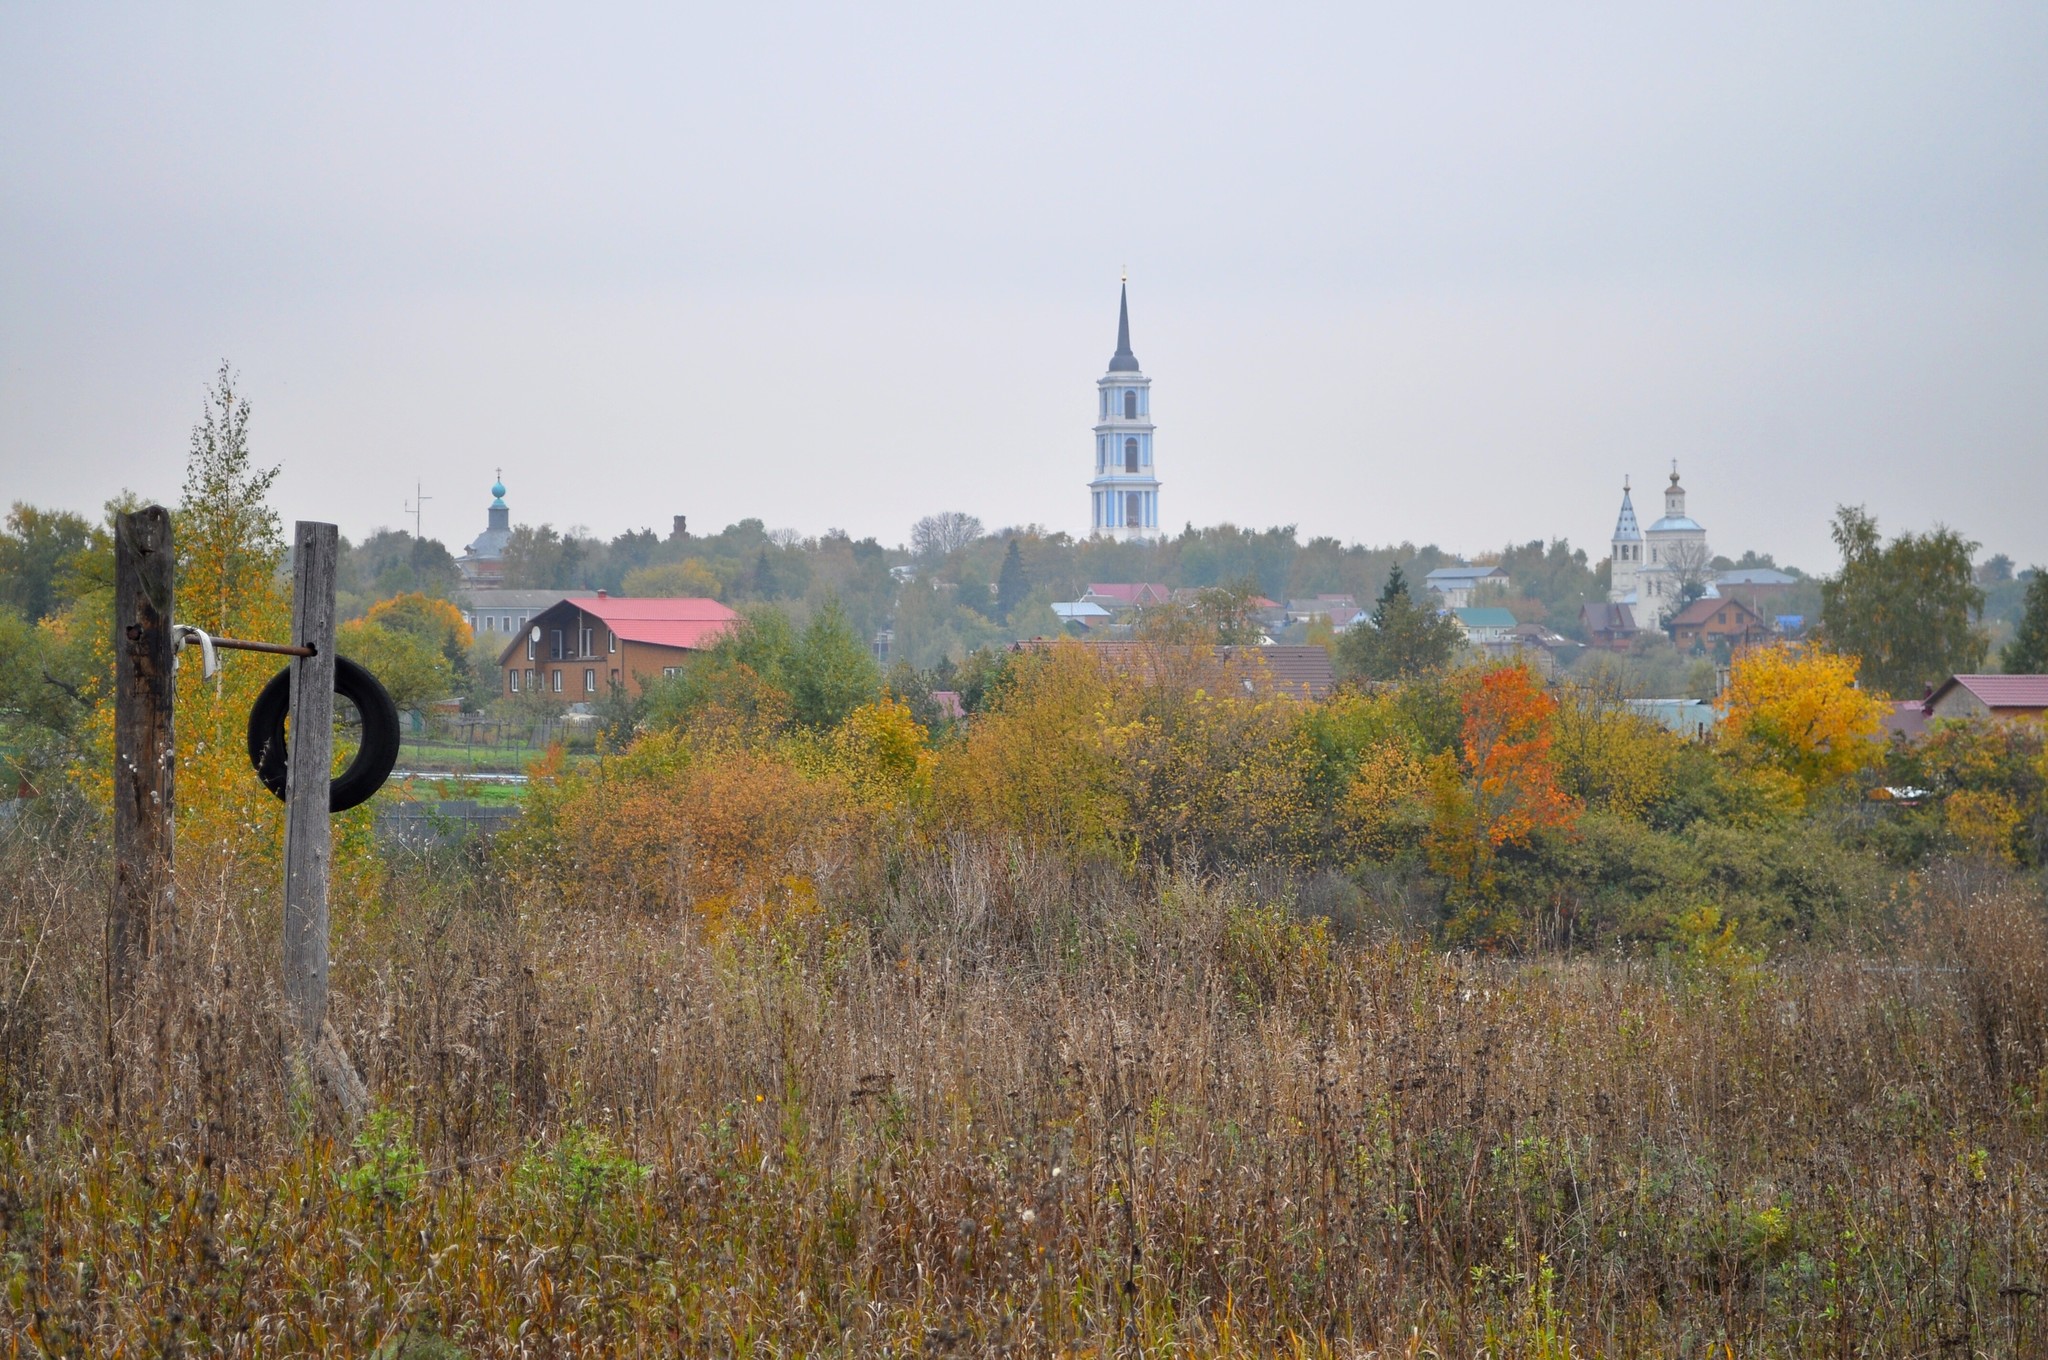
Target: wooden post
(308, 839)
(140, 919)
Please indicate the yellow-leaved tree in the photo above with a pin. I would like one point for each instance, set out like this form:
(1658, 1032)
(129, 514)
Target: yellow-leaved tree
(230, 551)
(1797, 711)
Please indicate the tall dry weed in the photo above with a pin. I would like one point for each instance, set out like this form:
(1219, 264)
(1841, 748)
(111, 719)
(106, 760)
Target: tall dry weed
(990, 1100)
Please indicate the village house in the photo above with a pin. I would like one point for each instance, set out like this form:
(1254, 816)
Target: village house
(580, 649)
(1609, 627)
(1120, 597)
(1454, 586)
(1269, 614)
(1337, 609)
(1989, 696)
(1711, 623)
(491, 611)
(1758, 587)
(1486, 625)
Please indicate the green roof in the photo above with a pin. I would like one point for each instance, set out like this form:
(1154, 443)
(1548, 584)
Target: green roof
(1485, 618)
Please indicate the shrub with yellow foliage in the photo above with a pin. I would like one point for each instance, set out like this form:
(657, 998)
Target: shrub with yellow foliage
(732, 832)
(1609, 757)
(1036, 765)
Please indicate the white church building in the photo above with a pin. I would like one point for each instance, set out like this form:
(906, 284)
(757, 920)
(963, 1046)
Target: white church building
(1124, 494)
(1649, 566)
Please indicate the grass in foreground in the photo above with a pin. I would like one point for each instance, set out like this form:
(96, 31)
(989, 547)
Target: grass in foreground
(1000, 1104)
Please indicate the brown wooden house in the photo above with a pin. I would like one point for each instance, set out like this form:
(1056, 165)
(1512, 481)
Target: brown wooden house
(1610, 627)
(1711, 623)
(577, 650)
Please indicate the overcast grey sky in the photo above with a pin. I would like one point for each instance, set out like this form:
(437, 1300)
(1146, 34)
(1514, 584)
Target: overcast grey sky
(1427, 272)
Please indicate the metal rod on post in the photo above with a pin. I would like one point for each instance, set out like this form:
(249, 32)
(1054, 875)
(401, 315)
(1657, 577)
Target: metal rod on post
(308, 839)
(140, 919)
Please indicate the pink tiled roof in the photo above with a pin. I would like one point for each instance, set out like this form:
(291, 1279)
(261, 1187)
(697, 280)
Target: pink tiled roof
(2003, 691)
(1129, 591)
(663, 623)
(685, 623)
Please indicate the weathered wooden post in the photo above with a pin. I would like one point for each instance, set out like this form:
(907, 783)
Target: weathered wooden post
(140, 919)
(308, 838)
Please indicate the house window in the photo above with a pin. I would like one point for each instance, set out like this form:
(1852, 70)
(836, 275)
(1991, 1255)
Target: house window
(512, 679)
(590, 682)
(558, 679)
(615, 677)
(671, 672)
(555, 646)
(611, 640)
(1130, 455)
(1130, 404)
(529, 648)
(529, 677)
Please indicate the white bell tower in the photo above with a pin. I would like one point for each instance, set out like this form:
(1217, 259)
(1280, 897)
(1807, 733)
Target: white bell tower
(1125, 489)
(1625, 565)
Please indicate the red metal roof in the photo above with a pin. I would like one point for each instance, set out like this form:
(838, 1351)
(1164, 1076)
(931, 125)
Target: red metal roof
(2000, 691)
(660, 622)
(684, 623)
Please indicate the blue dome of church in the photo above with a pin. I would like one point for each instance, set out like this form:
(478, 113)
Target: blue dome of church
(497, 493)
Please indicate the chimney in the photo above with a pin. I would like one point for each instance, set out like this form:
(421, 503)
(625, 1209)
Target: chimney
(601, 595)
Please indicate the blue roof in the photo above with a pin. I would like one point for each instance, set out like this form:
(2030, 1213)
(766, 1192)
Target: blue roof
(1485, 618)
(1677, 522)
(1461, 574)
(1625, 527)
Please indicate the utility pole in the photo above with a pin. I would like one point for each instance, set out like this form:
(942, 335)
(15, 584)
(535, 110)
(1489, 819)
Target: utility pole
(414, 510)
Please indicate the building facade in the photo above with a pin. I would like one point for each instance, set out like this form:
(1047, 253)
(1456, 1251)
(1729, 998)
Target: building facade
(1124, 494)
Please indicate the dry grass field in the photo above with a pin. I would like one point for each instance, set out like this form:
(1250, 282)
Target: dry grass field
(986, 1102)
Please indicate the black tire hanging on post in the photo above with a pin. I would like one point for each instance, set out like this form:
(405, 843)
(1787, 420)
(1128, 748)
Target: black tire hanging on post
(374, 759)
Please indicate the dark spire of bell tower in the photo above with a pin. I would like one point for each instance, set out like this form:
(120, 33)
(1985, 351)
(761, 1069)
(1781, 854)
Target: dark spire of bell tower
(1123, 361)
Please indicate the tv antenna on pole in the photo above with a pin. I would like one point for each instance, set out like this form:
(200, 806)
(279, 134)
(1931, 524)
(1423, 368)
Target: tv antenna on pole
(413, 509)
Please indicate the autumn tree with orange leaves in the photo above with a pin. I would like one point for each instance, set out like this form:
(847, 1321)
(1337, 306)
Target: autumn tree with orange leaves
(1502, 792)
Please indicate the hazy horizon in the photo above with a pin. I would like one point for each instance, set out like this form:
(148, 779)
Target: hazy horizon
(1437, 277)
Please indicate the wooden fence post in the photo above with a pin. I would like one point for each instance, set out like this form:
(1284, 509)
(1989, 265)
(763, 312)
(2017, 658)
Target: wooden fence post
(140, 920)
(308, 838)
